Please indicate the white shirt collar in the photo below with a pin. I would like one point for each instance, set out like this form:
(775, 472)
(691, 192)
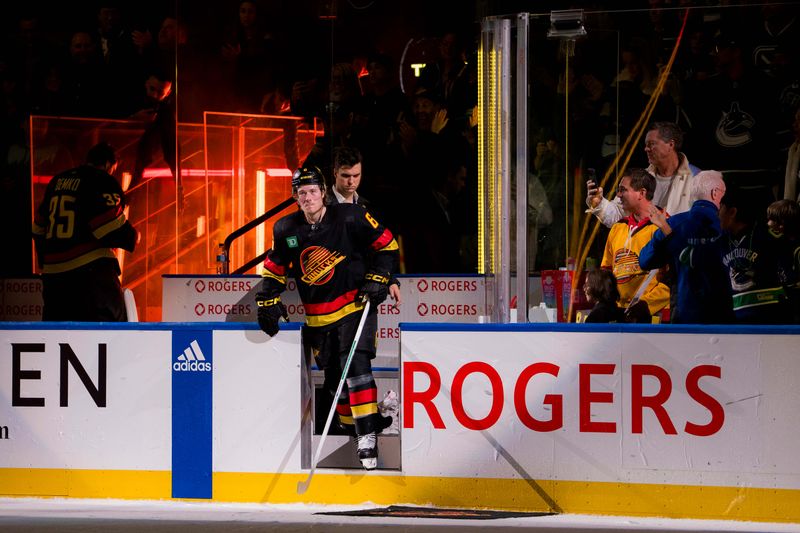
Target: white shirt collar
(340, 198)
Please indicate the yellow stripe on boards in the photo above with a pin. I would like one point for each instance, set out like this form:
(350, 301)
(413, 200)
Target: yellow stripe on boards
(357, 487)
(121, 484)
(575, 497)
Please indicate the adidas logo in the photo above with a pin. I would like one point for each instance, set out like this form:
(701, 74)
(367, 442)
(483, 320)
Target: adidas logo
(192, 360)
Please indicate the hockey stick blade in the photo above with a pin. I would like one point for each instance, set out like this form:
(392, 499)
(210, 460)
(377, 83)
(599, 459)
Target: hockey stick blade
(302, 486)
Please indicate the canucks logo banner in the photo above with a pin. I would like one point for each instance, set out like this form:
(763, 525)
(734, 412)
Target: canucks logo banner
(191, 413)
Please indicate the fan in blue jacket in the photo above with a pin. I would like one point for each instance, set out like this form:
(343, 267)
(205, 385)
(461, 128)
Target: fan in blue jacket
(690, 243)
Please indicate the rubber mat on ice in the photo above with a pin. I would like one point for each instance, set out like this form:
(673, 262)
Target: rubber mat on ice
(402, 511)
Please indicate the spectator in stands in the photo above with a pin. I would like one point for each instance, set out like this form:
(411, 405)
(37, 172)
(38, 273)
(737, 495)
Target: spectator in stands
(791, 191)
(384, 99)
(77, 227)
(29, 51)
(548, 165)
(672, 171)
(602, 292)
(158, 139)
(752, 258)
(783, 219)
(252, 49)
(735, 117)
(690, 243)
(120, 56)
(83, 85)
(434, 231)
(336, 108)
(346, 179)
(540, 216)
(15, 197)
(625, 241)
(384, 105)
(453, 78)
(422, 134)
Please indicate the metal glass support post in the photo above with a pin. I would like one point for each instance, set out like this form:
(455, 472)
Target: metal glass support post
(493, 169)
(503, 215)
(521, 123)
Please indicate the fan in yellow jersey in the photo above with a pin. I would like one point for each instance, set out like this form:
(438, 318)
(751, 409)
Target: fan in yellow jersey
(76, 228)
(626, 238)
(339, 255)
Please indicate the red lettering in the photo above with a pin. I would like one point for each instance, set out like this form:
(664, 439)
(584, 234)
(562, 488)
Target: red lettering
(707, 401)
(22, 286)
(388, 333)
(295, 309)
(656, 402)
(424, 398)
(454, 309)
(554, 400)
(453, 285)
(587, 398)
(388, 309)
(497, 396)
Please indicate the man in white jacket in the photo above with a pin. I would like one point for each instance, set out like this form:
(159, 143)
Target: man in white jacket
(671, 168)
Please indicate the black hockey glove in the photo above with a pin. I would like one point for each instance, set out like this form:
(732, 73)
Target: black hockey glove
(270, 311)
(375, 288)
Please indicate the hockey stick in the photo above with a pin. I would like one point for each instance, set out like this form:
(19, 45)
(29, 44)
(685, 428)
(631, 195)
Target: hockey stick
(302, 486)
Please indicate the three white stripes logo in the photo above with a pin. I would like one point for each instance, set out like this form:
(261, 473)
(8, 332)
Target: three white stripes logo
(192, 360)
(192, 353)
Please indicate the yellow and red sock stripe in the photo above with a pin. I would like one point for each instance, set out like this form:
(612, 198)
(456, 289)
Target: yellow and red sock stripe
(344, 413)
(364, 402)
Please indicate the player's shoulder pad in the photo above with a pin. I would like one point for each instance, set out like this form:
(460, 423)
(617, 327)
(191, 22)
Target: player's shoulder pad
(287, 223)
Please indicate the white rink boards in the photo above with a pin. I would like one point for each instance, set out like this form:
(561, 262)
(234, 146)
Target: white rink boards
(628, 420)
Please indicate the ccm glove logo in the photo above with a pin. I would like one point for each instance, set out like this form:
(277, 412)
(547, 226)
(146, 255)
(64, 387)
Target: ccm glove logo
(267, 303)
(377, 278)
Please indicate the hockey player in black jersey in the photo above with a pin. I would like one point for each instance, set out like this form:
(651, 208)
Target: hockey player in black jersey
(76, 228)
(339, 256)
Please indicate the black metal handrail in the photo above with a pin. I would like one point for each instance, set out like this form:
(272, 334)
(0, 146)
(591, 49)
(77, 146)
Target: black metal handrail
(251, 263)
(235, 234)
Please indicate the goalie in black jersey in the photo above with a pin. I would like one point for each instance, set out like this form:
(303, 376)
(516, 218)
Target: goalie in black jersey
(339, 256)
(76, 229)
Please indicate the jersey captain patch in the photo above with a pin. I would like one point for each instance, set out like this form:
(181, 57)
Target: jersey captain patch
(317, 264)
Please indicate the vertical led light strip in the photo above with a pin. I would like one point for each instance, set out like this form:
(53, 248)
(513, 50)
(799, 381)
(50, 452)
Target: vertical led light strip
(261, 206)
(482, 152)
(491, 149)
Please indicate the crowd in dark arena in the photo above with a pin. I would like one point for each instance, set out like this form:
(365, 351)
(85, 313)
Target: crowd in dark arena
(731, 98)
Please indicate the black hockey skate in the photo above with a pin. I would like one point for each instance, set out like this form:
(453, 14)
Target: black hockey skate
(367, 445)
(368, 450)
